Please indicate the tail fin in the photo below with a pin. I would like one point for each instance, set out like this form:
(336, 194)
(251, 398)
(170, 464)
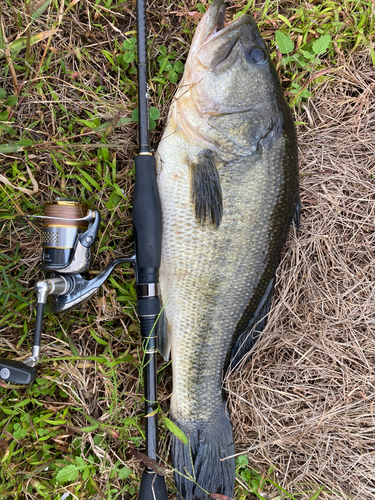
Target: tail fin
(204, 458)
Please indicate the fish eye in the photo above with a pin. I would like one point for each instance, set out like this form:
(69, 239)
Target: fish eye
(256, 56)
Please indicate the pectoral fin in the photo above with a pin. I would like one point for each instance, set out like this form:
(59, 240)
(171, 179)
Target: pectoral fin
(206, 192)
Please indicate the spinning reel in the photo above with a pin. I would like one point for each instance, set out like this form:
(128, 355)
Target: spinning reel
(68, 233)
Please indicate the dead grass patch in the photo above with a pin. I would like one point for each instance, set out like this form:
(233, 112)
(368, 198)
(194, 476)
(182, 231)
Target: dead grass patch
(304, 403)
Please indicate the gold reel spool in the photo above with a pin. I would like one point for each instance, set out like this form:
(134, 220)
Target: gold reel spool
(59, 235)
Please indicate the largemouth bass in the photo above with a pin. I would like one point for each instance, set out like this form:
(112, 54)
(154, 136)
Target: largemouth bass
(228, 180)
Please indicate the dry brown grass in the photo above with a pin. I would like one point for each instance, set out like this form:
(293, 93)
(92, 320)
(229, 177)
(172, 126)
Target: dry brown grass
(305, 401)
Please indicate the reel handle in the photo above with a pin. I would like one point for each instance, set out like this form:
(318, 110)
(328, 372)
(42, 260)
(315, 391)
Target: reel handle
(24, 372)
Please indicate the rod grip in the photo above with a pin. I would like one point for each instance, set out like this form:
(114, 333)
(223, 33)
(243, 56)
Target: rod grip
(147, 219)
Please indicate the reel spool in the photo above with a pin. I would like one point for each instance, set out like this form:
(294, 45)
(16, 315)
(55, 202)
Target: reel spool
(60, 235)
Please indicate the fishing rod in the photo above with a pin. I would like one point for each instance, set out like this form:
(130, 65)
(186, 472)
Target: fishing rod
(68, 233)
(147, 234)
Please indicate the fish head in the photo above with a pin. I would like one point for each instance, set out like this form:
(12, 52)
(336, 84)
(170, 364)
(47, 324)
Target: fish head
(230, 94)
(230, 64)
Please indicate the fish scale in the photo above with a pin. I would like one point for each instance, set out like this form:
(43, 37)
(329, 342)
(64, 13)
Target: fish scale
(228, 183)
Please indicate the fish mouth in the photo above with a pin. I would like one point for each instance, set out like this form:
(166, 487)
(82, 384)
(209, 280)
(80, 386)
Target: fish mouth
(220, 16)
(212, 23)
(216, 20)
(214, 40)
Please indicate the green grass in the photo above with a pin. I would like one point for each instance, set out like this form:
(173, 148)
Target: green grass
(68, 127)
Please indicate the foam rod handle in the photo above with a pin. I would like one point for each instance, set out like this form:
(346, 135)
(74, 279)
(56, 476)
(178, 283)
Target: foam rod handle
(16, 372)
(147, 219)
(152, 487)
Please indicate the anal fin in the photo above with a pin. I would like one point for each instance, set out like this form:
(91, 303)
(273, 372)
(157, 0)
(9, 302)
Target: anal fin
(297, 214)
(247, 339)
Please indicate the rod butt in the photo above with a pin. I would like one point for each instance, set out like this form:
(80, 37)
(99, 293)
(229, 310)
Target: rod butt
(152, 487)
